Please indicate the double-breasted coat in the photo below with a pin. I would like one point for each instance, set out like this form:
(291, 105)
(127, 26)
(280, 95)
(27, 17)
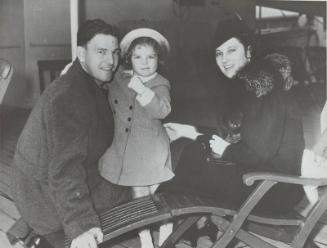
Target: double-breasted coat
(140, 152)
(55, 183)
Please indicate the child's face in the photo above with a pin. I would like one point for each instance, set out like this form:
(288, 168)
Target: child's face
(144, 60)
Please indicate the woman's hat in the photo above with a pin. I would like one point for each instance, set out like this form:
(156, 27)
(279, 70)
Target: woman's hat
(143, 32)
(230, 28)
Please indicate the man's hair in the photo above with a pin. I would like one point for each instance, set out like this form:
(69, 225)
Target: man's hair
(91, 28)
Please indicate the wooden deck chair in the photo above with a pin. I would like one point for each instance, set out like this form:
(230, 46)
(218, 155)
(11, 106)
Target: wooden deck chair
(235, 223)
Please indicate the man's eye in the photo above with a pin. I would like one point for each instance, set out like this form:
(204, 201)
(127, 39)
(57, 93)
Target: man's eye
(136, 57)
(218, 54)
(102, 52)
(231, 50)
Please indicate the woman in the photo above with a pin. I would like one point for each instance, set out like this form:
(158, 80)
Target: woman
(270, 136)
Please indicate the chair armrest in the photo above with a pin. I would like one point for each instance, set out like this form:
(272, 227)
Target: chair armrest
(250, 178)
(6, 72)
(5, 68)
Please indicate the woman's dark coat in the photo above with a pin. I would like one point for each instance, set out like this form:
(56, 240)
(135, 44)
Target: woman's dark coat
(271, 140)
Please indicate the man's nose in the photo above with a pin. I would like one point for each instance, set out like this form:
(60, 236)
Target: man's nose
(110, 58)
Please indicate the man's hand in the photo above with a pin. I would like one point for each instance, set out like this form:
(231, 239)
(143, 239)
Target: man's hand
(136, 85)
(176, 131)
(88, 239)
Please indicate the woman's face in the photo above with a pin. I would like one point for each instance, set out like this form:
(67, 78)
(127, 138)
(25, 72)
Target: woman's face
(231, 57)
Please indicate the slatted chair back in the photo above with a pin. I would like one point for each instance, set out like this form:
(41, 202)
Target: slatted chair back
(49, 70)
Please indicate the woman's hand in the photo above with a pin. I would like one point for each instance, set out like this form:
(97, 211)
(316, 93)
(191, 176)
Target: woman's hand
(176, 131)
(218, 145)
(88, 239)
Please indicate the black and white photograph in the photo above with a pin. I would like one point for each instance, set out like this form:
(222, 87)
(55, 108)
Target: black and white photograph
(163, 124)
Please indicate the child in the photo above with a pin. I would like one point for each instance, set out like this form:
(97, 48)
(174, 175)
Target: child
(140, 99)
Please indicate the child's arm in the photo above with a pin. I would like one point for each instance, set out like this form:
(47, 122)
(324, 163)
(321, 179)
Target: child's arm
(155, 100)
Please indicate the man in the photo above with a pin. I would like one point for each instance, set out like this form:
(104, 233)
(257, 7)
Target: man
(56, 185)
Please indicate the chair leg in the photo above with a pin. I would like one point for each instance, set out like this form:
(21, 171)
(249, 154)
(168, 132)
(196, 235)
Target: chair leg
(241, 235)
(179, 231)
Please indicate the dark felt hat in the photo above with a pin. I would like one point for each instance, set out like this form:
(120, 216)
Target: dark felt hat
(230, 28)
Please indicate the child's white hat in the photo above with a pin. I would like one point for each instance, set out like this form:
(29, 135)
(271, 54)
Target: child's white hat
(143, 32)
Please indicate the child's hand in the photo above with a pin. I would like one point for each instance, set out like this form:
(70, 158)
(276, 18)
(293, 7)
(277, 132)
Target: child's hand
(218, 145)
(67, 67)
(136, 85)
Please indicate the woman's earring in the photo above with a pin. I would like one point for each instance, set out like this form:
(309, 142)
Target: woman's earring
(248, 54)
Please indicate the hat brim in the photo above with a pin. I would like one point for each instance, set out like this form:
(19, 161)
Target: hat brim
(143, 32)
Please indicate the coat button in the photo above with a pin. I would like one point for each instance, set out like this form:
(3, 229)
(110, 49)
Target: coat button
(126, 130)
(78, 195)
(115, 101)
(130, 107)
(129, 118)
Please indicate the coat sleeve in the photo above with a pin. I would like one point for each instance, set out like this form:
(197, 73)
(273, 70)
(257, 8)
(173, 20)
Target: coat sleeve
(158, 105)
(68, 139)
(261, 134)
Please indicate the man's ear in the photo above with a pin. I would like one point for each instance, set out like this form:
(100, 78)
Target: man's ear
(81, 54)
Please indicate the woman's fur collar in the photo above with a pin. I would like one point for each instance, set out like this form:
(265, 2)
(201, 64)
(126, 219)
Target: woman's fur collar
(263, 75)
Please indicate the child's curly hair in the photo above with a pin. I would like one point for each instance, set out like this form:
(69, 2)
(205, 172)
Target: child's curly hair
(127, 62)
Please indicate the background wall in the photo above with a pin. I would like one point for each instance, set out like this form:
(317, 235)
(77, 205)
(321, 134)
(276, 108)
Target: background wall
(12, 47)
(40, 29)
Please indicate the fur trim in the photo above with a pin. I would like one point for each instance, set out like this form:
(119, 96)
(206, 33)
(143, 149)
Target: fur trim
(264, 75)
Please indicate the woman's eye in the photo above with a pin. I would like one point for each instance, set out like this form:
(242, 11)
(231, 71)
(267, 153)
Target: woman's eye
(218, 54)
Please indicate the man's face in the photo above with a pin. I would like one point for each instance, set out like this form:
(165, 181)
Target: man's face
(100, 57)
(231, 57)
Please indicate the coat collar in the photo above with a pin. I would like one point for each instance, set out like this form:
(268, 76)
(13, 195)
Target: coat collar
(78, 70)
(264, 75)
